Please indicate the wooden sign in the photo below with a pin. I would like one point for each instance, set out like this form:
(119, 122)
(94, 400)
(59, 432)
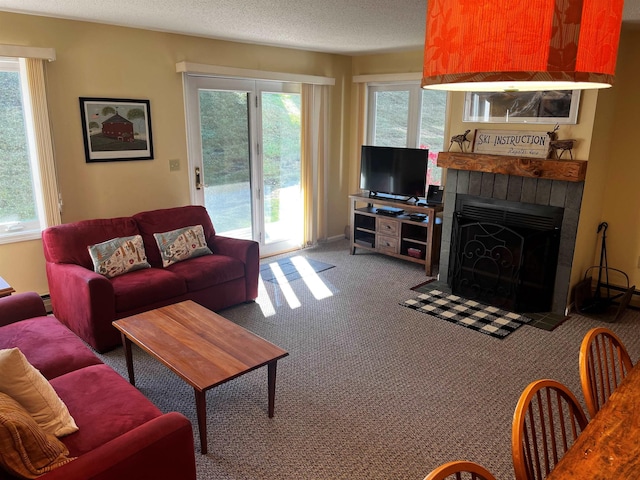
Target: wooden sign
(513, 143)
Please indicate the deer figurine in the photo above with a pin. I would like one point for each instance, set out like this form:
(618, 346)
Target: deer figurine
(562, 145)
(460, 140)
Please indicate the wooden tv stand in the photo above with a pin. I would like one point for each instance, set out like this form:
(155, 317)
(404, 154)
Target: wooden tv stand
(396, 236)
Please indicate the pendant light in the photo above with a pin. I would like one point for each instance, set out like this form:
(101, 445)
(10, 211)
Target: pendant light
(521, 45)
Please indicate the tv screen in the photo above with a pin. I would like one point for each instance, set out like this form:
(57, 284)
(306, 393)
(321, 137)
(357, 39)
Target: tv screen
(394, 170)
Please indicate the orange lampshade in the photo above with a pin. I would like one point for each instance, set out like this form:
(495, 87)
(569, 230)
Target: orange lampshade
(520, 45)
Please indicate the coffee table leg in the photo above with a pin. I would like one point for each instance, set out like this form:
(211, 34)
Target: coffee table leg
(201, 410)
(126, 343)
(272, 385)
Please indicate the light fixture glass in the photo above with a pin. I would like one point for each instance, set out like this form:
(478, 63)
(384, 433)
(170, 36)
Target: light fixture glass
(531, 45)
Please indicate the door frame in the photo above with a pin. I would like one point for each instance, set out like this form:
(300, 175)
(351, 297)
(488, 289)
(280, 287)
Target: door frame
(254, 87)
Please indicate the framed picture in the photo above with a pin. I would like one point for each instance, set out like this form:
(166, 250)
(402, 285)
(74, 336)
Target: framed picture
(116, 129)
(548, 107)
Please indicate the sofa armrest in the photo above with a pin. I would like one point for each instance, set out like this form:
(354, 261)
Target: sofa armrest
(84, 301)
(20, 307)
(248, 252)
(160, 449)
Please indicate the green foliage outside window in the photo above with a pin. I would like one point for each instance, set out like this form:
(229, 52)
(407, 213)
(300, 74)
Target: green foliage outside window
(17, 202)
(225, 137)
(391, 124)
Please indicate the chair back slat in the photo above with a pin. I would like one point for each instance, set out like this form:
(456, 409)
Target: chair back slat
(547, 420)
(604, 362)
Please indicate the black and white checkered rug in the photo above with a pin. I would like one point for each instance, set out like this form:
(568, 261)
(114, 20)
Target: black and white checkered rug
(468, 313)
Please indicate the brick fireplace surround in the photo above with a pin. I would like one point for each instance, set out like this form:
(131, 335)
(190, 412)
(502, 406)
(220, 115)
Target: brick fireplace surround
(556, 183)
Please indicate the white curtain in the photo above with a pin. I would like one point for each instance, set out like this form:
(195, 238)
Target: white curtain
(32, 69)
(315, 104)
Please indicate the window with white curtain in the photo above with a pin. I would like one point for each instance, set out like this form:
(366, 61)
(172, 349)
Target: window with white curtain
(405, 115)
(23, 160)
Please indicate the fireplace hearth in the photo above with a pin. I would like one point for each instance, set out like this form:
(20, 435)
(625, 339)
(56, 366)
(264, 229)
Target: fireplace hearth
(564, 194)
(505, 253)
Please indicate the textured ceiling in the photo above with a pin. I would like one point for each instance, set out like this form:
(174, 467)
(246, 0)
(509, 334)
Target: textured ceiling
(350, 27)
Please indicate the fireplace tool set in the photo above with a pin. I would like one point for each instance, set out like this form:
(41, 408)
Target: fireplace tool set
(600, 300)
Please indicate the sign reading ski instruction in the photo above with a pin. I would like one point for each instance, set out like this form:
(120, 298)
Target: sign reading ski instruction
(513, 143)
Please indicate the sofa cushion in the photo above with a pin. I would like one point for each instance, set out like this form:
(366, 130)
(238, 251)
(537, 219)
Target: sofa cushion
(146, 287)
(118, 256)
(207, 271)
(68, 243)
(26, 385)
(103, 404)
(181, 244)
(48, 345)
(26, 450)
(164, 220)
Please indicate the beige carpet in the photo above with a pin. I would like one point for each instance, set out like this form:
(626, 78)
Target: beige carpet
(371, 389)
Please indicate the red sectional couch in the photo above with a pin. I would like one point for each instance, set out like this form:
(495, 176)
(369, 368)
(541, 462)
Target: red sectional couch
(121, 435)
(88, 302)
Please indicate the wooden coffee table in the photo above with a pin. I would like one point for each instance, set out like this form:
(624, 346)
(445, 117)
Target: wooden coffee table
(201, 347)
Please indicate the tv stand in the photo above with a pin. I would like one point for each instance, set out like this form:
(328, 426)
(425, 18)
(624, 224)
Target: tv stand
(400, 236)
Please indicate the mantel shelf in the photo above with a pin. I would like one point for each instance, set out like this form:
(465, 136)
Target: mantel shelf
(552, 169)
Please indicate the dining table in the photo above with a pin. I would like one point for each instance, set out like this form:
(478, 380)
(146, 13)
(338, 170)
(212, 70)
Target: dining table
(609, 447)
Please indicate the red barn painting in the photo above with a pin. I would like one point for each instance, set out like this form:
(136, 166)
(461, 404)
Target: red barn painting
(119, 128)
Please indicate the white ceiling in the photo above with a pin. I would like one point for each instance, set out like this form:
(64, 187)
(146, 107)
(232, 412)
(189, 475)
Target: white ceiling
(350, 27)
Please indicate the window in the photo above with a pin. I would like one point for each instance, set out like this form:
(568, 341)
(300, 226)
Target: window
(21, 211)
(405, 115)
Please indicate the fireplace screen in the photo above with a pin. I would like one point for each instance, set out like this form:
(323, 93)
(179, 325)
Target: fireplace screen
(505, 253)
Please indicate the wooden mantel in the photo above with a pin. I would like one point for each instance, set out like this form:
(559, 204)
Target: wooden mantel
(568, 170)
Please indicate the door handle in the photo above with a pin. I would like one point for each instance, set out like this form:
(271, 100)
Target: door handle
(199, 184)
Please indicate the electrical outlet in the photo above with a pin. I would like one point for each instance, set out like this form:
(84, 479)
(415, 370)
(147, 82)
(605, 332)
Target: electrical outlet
(174, 165)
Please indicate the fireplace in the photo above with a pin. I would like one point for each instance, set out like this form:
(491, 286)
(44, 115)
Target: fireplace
(526, 191)
(505, 253)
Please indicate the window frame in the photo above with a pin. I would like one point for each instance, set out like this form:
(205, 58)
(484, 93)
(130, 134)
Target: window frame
(32, 229)
(414, 120)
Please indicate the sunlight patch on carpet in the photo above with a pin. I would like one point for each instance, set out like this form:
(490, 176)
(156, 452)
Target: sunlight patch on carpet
(291, 268)
(482, 318)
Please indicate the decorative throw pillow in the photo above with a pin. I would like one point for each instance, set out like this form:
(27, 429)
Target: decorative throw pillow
(119, 255)
(180, 244)
(26, 450)
(25, 384)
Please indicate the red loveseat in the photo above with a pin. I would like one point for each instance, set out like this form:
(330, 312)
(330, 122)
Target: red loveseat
(88, 302)
(121, 434)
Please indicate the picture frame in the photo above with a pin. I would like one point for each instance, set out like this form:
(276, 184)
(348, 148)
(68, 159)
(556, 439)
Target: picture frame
(543, 107)
(116, 129)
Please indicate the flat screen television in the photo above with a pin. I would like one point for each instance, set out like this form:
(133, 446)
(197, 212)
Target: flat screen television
(394, 171)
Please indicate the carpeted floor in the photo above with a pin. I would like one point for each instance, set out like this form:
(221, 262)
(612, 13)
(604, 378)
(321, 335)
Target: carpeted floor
(371, 389)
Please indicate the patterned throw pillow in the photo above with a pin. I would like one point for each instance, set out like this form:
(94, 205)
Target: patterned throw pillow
(26, 450)
(119, 255)
(178, 245)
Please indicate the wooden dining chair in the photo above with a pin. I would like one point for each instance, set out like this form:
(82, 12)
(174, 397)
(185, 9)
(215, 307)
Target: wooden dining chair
(460, 470)
(547, 420)
(604, 362)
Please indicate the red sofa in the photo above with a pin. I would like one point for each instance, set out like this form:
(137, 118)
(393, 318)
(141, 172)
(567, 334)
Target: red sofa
(121, 434)
(88, 302)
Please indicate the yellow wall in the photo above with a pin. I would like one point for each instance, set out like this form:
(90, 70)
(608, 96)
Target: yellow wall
(621, 188)
(96, 60)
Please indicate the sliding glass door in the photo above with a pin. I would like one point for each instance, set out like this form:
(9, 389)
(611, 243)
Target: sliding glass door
(244, 158)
